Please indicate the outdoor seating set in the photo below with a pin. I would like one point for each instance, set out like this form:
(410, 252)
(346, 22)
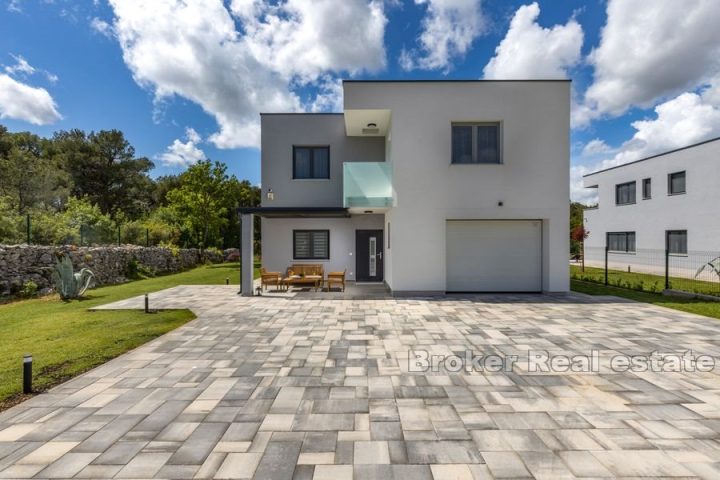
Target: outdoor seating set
(302, 274)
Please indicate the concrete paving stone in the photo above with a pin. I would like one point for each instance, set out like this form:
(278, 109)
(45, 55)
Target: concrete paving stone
(279, 460)
(68, 465)
(144, 465)
(239, 465)
(279, 386)
(423, 452)
(120, 453)
(199, 444)
(506, 465)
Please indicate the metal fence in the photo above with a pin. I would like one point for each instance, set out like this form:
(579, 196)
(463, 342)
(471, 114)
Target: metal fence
(44, 230)
(651, 270)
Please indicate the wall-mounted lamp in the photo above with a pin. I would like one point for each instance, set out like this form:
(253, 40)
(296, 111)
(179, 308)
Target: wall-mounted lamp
(270, 194)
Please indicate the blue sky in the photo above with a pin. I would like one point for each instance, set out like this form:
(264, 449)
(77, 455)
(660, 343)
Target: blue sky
(186, 80)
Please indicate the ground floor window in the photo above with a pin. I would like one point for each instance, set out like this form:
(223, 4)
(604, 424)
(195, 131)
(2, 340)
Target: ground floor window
(311, 244)
(677, 242)
(621, 241)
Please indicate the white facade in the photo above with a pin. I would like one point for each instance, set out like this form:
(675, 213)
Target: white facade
(695, 211)
(414, 120)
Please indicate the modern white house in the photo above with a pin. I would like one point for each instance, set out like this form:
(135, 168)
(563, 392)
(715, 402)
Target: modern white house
(666, 202)
(428, 186)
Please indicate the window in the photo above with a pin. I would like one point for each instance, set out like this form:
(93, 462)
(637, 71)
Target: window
(676, 242)
(621, 241)
(647, 189)
(476, 143)
(676, 183)
(625, 193)
(311, 162)
(311, 244)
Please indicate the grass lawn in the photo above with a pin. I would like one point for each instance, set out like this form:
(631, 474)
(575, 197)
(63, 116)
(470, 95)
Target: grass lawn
(645, 282)
(701, 307)
(66, 339)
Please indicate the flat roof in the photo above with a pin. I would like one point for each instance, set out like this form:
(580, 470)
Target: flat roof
(301, 113)
(470, 80)
(653, 156)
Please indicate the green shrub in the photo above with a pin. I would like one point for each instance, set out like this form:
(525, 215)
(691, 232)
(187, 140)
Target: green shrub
(29, 289)
(174, 249)
(135, 270)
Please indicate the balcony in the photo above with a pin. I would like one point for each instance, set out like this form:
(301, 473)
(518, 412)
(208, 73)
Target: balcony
(367, 185)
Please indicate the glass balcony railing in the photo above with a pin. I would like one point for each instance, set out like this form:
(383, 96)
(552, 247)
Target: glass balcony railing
(367, 185)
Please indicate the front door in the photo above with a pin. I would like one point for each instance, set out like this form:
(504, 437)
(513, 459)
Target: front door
(369, 255)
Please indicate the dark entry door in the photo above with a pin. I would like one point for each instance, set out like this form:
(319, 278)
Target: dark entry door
(369, 255)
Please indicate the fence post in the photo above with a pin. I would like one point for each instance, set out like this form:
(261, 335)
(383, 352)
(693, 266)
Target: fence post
(667, 269)
(147, 237)
(606, 264)
(27, 224)
(118, 235)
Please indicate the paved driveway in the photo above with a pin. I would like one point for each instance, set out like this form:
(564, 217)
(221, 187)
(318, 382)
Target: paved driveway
(283, 387)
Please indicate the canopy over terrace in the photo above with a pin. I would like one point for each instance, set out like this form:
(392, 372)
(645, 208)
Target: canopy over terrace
(247, 250)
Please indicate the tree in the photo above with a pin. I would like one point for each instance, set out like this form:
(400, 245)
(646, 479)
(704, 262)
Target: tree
(239, 194)
(199, 204)
(29, 177)
(104, 169)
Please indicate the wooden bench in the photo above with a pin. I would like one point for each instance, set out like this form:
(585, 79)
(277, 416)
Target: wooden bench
(304, 274)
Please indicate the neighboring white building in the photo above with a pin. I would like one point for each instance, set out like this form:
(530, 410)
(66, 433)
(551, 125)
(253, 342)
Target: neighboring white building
(428, 186)
(667, 201)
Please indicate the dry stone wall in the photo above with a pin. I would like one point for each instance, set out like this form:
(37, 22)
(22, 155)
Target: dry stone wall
(110, 264)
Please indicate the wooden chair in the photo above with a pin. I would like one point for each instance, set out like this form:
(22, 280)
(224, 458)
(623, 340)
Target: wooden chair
(270, 278)
(337, 278)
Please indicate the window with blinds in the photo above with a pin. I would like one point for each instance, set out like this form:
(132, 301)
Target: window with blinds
(621, 242)
(311, 244)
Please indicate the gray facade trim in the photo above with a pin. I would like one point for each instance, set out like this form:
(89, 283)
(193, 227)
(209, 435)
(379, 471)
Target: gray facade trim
(460, 80)
(279, 212)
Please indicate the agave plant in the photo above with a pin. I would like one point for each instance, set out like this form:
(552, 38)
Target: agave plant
(69, 284)
(713, 265)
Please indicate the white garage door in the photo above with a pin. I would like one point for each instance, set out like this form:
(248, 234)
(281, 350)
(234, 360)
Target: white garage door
(494, 256)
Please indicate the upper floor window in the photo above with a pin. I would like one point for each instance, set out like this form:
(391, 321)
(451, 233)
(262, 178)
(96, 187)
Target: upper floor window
(647, 188)
(476, 143)
(676, 242)
(621, 242)
(676, 183)
(311, 162)
(625, 193)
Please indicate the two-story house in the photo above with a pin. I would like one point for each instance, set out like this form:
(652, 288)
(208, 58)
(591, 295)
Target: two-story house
(427, 186)
(666, 202)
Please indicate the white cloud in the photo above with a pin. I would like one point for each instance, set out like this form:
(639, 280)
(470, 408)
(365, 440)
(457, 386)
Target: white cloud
(330, 96)
(102, 27)
(14, 6)
(684, 120)
(21, 66)
(23, 102)
(183, 154)
(652, 51)
(194, 50)
(595, 146)
(448, 30)
(306, 38)
(531, 51)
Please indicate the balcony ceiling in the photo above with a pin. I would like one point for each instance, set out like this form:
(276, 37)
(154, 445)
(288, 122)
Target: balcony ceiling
(356, 122)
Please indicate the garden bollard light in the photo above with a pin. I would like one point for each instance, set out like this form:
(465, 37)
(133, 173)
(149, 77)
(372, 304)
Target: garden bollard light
(27, 373)
(227, 281)
(147, 303)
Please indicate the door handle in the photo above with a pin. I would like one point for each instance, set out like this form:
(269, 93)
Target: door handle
(379, 255)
